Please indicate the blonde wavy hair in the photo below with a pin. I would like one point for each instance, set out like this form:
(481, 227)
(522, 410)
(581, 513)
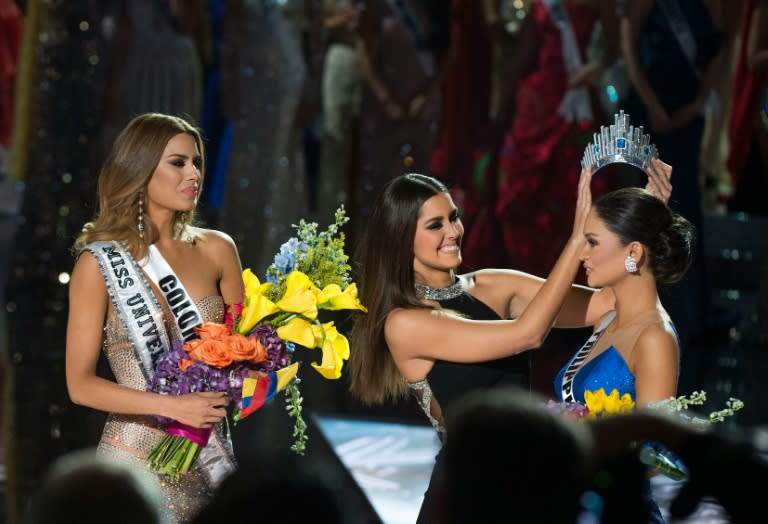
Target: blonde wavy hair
(123, 180)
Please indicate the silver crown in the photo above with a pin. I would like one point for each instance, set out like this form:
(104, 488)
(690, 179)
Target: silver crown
(620, 142)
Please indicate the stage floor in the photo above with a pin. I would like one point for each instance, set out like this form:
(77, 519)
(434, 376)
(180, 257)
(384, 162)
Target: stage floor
(391, 463)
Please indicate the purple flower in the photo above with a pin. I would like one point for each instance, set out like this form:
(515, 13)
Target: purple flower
(277, 356)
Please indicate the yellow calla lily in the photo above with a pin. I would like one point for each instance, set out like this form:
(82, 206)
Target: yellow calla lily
(252, 284)
(333, 298)
(299, 331)
(335, 347)
(299, 296)
(256, 308)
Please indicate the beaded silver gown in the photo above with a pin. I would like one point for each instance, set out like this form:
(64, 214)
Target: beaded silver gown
(130, 438)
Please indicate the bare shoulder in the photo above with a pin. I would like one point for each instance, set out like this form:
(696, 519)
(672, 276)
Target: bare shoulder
(86, 266)
(214, 239)
(86, 275)
(405, 319)
(215, 244)
(403, 325)
(655, 340)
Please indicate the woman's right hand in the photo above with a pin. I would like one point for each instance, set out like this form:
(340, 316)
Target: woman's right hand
(200, 410)
(659, 175)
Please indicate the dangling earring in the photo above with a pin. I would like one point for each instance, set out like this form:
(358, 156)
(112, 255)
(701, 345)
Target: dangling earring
(140, 224)
(630, 264)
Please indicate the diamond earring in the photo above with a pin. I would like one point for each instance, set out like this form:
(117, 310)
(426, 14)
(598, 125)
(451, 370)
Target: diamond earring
(630, 264)
(140, 224)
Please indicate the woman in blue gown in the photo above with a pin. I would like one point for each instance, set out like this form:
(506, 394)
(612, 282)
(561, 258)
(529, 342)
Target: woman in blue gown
(634, 243)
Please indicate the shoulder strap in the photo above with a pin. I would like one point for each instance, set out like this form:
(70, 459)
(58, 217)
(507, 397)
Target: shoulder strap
(135, 304)
(581, 355)
(185, 312)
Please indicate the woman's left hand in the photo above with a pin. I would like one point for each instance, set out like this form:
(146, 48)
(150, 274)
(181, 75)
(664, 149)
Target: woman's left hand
(659, 175)
(583, 204)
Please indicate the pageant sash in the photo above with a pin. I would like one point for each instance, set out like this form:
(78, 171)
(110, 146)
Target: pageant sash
(216, 458)
(581, 355)
(184, 309)
(141, 316)
(135, 304)
(678, 24)
(575, 105)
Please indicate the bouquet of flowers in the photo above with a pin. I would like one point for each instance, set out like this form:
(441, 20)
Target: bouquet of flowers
(250, 356)
(652, 454)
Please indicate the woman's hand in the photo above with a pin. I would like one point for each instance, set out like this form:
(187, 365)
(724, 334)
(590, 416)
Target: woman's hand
(393, 110)
(200, 410)
(416, 106)
(587, 75)
(583, 204)
(659, 175)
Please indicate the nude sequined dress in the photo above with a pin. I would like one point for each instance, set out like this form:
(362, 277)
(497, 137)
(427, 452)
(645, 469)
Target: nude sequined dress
(130, 438)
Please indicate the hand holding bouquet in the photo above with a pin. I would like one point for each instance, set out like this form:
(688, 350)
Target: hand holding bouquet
(250, 355)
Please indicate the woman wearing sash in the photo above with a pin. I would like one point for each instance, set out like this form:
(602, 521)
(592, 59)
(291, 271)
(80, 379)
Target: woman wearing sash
(634, 242)
(441, 335)
(145, 276)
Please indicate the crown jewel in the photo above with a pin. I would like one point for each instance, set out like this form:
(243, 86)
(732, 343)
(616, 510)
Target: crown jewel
(619, 143)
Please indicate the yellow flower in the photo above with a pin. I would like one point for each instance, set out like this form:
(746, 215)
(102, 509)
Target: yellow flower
(600, 404)
(335, 347)
(299, 296)
(256, 305)
(333, 298)
(252, 284)
(299, 331)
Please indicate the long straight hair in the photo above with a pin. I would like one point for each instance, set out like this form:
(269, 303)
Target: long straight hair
(384, 263)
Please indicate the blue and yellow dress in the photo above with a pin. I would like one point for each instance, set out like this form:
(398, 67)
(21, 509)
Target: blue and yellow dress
(602, 363)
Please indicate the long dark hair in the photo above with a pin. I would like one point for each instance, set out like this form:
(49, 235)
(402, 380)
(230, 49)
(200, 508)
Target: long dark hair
(634, 214)
(384, 263)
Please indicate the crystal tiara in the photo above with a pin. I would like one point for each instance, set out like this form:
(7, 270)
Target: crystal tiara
(619, 143)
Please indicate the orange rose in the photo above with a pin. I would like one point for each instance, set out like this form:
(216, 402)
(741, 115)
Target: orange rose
(260, 352)
(213, 330)
(215, 353)
(241, 348)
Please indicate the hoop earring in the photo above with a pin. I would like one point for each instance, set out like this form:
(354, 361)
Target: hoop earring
(630, 264)
(140, 224)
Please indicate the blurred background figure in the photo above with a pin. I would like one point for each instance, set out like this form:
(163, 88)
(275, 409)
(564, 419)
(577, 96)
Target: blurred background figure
(11, 27)
(264, 69)
(154, 65)
(714, 178)
(276, 486)
(663, 40)
(748, 158)
(463, 154)
(403, 48)
(89, 488)
(341, 91)
(551, 112)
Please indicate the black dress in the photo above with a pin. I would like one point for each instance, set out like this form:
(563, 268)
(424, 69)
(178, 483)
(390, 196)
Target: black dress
(450, 381)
